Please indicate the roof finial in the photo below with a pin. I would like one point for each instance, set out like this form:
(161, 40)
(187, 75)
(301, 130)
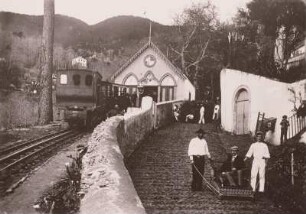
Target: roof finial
(150, 32)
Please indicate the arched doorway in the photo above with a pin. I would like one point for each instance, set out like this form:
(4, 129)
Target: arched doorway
(150, 86)
(241, 112)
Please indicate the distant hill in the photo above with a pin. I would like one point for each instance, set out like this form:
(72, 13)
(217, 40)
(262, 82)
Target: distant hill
(112, 41)
(72, 32)
(125, 28)
(68, 31)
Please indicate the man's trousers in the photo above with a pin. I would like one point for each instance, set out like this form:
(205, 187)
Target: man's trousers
(199, 162)
(202, 119)
(258, 167)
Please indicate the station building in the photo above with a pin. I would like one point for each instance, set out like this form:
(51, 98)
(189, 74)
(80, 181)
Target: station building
(150, 73)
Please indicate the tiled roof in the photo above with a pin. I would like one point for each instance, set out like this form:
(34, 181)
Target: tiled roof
(145, 47)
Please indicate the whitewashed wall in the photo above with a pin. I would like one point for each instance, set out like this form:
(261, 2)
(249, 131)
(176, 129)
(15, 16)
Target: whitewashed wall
(266, 95)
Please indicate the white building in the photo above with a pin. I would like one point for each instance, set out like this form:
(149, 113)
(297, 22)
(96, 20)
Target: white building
(79, 61)
(151, 69)
(243, 95)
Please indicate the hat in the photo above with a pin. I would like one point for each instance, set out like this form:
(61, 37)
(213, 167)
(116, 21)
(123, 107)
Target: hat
(200, 131)
(234, 148)
(259, 133)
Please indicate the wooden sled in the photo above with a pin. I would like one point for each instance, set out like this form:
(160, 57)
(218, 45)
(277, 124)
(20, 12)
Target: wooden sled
(228, 192)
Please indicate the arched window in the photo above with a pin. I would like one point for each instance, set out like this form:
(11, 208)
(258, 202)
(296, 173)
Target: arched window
(76, 79)
(88, 80)
(131, 83)
(131, 80)
(168, 81)
(167, 88)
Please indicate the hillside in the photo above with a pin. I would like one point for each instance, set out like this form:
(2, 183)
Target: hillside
(126, 28)
(72, 32)
(112, 41)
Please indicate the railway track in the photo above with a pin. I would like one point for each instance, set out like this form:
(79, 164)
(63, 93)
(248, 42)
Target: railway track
(20, 154)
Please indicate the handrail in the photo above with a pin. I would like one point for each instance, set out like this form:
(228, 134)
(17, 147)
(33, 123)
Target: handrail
(296, 125)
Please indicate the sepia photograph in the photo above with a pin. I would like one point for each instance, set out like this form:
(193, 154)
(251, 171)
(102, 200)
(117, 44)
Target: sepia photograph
(152, 107)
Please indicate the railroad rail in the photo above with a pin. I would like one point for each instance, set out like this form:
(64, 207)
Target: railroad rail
(18, 145)
(20, 153)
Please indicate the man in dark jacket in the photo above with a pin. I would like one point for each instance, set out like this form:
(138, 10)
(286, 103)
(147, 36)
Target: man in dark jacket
(233, 166)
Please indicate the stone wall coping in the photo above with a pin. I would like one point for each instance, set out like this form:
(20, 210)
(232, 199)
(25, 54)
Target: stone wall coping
(106, 182)
(171, 101)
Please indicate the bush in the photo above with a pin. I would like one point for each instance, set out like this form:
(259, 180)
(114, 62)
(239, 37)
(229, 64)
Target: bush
(63, 197)
(60, 198)
(280, 189)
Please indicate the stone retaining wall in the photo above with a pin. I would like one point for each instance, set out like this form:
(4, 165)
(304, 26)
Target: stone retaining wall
(133, 129)
(106, 183)
(164, 113)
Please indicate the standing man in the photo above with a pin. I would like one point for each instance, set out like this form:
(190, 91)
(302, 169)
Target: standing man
(217, 116)
(202, 111)
(197, 151)
(284, 129)
(260, 152)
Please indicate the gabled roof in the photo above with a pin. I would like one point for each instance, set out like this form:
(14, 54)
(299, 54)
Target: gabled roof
(143, 49)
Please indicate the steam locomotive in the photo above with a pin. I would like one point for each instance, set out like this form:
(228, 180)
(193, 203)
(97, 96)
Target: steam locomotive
(84, 98)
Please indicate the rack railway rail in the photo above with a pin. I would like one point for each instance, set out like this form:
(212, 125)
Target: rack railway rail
(20, 153)
(18, 159)
(18, 145)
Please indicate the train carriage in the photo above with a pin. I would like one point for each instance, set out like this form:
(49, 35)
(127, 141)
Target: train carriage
(84, 97)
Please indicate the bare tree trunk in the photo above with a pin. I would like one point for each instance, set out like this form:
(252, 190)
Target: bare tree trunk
(183, 61)
(305, 54)
(196, 81)
(212, 85)
(45, 112)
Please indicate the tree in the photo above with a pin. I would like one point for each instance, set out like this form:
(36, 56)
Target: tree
(284, 22)
(271, 29)
(45, 112)
(249, 49)
(195, 26)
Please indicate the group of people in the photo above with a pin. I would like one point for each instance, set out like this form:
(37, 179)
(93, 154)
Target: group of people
(118, 105)
(231, 171)
(216, 115)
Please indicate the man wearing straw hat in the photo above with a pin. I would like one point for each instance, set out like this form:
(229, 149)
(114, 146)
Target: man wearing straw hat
(197, 151)
(260, 152)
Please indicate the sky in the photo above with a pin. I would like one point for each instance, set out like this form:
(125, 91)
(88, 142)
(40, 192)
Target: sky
(94, 11)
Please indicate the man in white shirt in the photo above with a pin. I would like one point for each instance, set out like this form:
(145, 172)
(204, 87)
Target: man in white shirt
(197, 151)
(217, 117)
(260, 152)
(202, 111)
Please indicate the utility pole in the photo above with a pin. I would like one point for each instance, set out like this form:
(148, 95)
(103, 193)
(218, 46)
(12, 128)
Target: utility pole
(45, 111)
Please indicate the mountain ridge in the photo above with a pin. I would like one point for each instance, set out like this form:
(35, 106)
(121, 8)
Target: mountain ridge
(117, 27)
(107, 44)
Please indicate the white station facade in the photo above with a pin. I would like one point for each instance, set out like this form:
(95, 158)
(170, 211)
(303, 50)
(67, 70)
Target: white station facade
(151, 70)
